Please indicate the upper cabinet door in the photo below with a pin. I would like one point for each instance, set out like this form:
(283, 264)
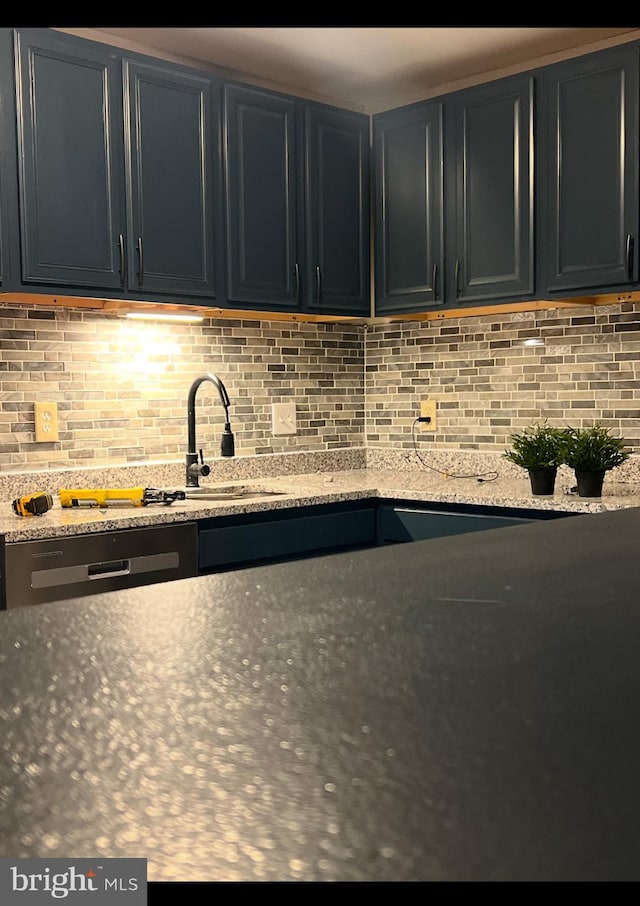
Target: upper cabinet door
(337, 211)
(170, 185)
(70, 166)
(409, 208)
(6, 144)
(491, 255)
(592, 169)
(263, 264)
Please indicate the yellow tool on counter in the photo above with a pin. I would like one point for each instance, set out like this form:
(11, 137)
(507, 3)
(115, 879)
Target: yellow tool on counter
(33, 504)
(106, 497)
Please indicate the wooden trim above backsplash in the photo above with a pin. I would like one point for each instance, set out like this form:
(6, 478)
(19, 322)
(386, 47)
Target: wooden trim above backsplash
(510, 307)
(120, 306)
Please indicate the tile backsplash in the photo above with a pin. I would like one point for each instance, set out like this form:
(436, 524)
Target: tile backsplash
(122, 386)
(492, 376)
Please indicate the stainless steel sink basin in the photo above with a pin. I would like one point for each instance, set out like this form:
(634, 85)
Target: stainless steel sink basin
(230, 492)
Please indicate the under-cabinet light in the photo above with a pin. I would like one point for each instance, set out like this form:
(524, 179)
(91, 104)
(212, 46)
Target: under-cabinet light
(153, 316)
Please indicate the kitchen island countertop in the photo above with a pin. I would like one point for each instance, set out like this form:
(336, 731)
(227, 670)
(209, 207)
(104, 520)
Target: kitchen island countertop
(428, 711)
(317, 488)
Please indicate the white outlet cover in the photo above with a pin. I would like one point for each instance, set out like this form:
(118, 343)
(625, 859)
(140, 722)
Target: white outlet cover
(283, 418)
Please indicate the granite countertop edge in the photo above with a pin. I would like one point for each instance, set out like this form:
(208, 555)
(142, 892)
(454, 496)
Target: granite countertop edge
(312, 489)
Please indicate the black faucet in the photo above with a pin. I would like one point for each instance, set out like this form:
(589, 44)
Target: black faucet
(227, 446)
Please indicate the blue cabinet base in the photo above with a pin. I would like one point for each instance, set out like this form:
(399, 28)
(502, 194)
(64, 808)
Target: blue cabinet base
(233, 542)
(250, 540)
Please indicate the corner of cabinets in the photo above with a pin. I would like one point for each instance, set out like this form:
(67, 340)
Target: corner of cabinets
(297, 204)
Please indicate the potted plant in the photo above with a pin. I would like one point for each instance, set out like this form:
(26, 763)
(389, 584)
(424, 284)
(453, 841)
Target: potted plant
(591, 452)
(538, 449)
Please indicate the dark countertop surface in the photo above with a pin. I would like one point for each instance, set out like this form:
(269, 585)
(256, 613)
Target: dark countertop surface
(458, 709)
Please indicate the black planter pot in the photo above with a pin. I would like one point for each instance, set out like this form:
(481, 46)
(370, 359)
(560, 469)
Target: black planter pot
(543, 481)
(589, 483)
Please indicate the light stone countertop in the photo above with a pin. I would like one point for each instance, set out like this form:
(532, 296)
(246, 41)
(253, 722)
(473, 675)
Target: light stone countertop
(317, 488)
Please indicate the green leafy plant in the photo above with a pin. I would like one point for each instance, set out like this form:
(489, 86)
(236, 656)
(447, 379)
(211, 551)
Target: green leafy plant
(539, 446)
(593, 449)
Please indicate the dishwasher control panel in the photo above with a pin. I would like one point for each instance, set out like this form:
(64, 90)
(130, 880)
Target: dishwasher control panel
(56, 569)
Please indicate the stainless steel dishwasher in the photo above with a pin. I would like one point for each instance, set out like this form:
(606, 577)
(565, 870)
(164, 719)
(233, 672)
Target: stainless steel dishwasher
(37, 572)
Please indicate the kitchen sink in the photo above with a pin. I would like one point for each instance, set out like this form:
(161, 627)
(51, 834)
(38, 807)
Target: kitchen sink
(230, 492)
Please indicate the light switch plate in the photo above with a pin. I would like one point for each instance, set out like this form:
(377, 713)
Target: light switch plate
(283, 418)
(46, 422)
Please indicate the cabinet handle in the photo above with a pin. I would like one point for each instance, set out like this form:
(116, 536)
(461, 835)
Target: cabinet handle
(296, 271)
(140, 261)
(121, 250)
(434, 281)
(318, 286)
(457, 279)
(629, 256)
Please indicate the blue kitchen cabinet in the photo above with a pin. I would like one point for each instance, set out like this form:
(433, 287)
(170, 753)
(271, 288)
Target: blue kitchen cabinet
(590, 166)
(402, 521)
(7, 144)
(122, 193)
(409, 208)
(337, 210)
(490, 192)
(263, 265)
(297, 209)
(117, 171)
(455, 200)
(173, 189)
(232, 542)
(69, 122)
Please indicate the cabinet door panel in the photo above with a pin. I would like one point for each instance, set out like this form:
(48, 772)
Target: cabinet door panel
(409, 209)
(70, 169)
(287, 537)
(398, 524)
(592, 170)
(337, 208)
(170, 184)
(494, 192)
(263, 268)
(6, 141)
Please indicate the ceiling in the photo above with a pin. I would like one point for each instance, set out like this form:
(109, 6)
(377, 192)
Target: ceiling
(371, 69)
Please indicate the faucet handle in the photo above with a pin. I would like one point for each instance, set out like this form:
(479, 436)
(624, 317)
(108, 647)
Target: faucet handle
(195, 469)
(203, 469)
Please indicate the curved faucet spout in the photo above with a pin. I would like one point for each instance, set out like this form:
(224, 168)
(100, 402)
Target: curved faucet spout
(227, 447)
(191, 405)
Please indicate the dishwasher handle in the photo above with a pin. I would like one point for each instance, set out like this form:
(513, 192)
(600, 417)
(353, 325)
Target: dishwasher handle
(111, 568)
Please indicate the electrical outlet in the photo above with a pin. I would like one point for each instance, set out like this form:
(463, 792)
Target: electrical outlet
(283, 418)
(428, 410)
(46, 420)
